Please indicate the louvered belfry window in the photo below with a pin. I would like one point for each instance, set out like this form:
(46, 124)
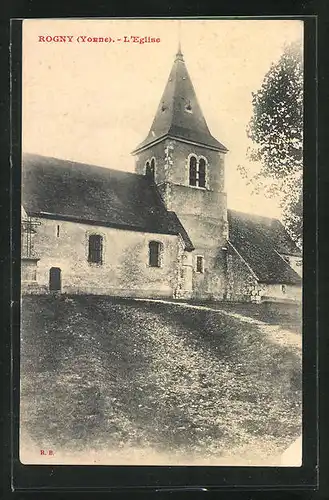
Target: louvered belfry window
(202, 173)
(197, 172)
(193, 176)
(95, 249)
(152, 168)
(154, 253)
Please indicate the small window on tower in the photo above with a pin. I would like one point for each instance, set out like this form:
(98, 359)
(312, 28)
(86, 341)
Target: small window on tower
(193, 172)
(199, 264)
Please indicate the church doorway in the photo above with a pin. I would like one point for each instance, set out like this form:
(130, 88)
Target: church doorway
(55, 279)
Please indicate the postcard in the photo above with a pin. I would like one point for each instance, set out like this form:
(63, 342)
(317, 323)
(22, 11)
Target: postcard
(161, 242)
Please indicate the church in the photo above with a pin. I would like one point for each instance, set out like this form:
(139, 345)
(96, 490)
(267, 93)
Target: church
(162, 232)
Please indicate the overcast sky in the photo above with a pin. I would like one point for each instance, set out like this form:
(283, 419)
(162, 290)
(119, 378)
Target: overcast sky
(94, 102)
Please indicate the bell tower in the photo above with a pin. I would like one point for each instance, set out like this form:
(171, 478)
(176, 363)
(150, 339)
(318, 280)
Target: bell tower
(186, 163)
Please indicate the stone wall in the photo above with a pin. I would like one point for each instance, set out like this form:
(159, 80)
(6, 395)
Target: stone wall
(29, 269)
(124, 271)
(185, 274)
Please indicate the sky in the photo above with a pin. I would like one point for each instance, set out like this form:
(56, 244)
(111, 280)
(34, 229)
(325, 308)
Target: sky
(95, 102)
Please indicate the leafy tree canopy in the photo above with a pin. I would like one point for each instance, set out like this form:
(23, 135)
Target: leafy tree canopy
(276, 129)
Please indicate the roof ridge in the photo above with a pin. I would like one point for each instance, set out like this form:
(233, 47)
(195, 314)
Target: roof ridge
(286, 263)
(92, 165)
(265, 243)
(122, 200)
(253, 214)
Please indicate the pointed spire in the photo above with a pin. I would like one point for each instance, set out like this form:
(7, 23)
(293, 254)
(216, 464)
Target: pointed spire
(179, 54)
(179, 114)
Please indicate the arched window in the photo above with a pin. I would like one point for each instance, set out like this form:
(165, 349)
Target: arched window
(147, 168)
(193, 171)
(155, 253)
(197, 172)
(95, 250)
(202, 172)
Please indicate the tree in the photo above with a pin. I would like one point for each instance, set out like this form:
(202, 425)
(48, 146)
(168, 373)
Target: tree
(276, 129)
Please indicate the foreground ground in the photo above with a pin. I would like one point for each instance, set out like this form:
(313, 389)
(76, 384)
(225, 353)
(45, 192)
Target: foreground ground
(104, 375)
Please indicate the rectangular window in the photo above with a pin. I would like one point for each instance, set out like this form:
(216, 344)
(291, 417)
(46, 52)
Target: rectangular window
(199, 264)
(95, 248)
(154, 253)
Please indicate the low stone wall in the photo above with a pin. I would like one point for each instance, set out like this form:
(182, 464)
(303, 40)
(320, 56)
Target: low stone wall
(281, 293)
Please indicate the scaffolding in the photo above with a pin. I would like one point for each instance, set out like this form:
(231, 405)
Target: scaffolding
(29, 226)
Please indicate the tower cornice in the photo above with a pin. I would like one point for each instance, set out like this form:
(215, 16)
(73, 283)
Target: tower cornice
(221, 149)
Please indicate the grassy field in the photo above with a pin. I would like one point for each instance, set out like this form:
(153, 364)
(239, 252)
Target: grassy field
(111, 374)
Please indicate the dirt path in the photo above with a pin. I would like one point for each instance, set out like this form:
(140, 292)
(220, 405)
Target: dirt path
(275, 333)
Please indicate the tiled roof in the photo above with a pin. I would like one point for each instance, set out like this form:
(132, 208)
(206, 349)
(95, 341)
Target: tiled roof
(261, 241)
(80, 192)
(96, 195)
